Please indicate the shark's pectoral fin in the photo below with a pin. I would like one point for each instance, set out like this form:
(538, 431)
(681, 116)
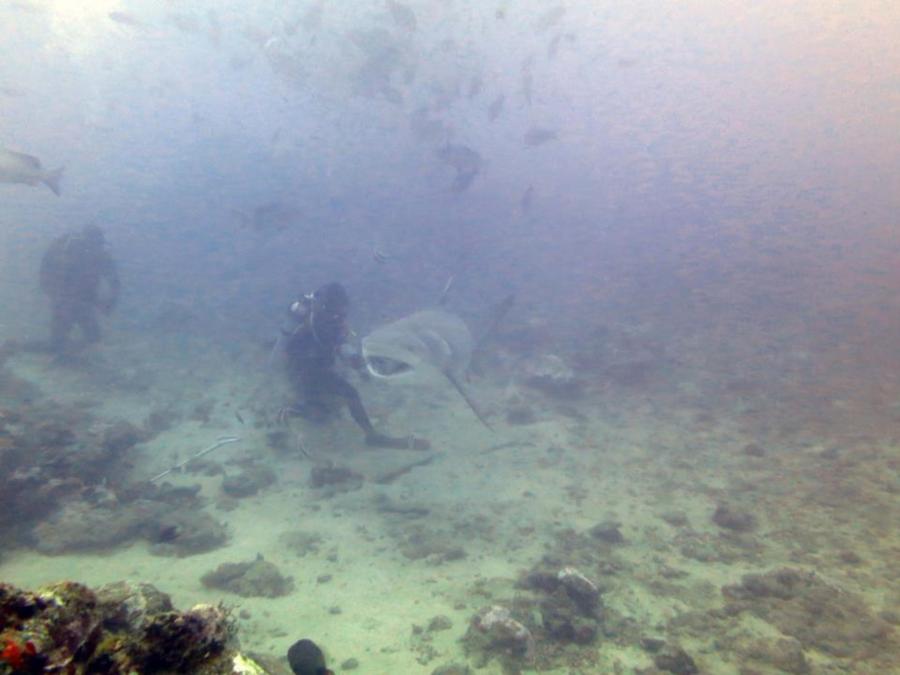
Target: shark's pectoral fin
(468, 400)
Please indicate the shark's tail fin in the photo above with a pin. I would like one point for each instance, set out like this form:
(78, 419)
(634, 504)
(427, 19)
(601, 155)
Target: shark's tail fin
(52, 179)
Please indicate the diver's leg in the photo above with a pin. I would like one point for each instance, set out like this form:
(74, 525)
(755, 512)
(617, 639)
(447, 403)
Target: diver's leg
(90, 327)
(339, 386)
(334, 384)
(61, 322)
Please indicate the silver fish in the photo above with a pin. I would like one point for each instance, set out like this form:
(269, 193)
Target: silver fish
(539, 136)
(17, 167)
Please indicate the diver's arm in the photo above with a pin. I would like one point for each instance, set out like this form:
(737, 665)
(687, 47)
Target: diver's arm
(50, 266)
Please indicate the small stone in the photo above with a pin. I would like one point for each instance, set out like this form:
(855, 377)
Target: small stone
(440, 622)
(754, 450)
(334, 610)
(731, 518)
(676, 660)
(608, 531)
(323, 578)
(652, 645)
(350, 664)
(452, 669)
(675, 518)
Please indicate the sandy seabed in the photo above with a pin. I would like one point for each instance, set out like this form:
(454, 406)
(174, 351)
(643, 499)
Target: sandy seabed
(656, 459)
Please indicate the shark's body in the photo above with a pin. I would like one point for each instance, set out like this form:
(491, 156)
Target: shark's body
(427, 343)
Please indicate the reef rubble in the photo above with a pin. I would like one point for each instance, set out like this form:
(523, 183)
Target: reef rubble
(117, 629)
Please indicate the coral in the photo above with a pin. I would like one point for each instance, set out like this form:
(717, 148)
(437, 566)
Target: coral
(118, 629)
(818, 615)
(257, 578)
(338, 478)
(550, 375)
(608, 531)
(732, 518)
(301, 543)
(675, 660)
(248, 482)
(494, 631)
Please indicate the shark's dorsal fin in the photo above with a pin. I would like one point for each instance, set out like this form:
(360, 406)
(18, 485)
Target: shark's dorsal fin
(468, 400)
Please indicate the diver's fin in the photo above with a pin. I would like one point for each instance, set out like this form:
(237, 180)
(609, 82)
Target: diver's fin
(468, 400)
(52, 179)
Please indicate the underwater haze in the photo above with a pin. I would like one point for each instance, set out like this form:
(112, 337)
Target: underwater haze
(618, 385)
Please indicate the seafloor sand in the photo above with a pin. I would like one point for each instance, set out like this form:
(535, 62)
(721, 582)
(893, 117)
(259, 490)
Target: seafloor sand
(657, 456)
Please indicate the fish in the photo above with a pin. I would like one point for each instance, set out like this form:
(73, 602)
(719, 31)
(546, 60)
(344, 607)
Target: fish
(17, 167)
(306, 658)
(527, 199)
(467, 162)
(427, 344)
(549, 19)
(476, 86)
(538, 136)
(312, 17)
(125, 19)
(403, 16)
(496, 107)
(274, 216)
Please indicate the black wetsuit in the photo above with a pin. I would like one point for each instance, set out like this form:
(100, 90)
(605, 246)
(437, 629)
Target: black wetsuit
(311, 356)
(312, 346)
(72, 270)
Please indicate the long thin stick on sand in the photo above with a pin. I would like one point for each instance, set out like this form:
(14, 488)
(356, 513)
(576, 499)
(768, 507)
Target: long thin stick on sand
(220, 441)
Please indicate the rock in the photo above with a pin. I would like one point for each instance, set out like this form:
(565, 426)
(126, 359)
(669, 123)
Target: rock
(785, 654)
(192, 532)
(731, 518)
(608, 531)
(676, 660)
(564, 621)
(121, 436)
(341, 476)
(582, 590)
(132, 603)
(452, 669)
(551, 375)
(504, 633)
(817, 614)
(675, 518)
(350, 664)
(652, 645)
(257, 578)
(248, 482)
(520, 415)
(753, 450)
(301, 543)
(439, 622)
(121, 628)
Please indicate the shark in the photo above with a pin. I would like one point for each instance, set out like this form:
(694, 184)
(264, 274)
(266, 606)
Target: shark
(424, 344)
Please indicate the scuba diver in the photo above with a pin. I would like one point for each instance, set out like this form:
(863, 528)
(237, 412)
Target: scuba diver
(76, 267)
(315, 336)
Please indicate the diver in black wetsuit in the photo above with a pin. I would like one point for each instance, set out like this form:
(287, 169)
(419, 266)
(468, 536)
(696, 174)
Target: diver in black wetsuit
(79, 276)
(314, 339)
